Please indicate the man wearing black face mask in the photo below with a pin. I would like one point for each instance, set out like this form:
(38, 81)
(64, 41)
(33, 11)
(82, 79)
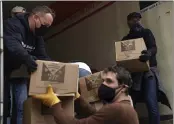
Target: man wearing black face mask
(23, 38)
(113, 91)
(146, 84)
(24, 44)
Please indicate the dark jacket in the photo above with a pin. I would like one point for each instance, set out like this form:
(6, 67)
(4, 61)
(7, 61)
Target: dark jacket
(20, 42)
(149, 39)
(138, 77)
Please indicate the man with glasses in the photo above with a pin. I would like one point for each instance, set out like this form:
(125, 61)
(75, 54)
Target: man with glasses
(23, 44)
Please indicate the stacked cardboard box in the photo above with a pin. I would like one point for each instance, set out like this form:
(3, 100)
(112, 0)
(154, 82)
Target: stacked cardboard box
(64, 79)
(36, 113)
(128, 52)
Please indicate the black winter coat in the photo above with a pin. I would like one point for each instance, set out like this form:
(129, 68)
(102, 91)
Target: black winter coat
(20, 43)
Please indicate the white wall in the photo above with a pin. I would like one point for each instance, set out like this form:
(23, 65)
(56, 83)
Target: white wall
(92, 40)
(159, 20)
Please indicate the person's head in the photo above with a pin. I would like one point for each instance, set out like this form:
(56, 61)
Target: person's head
(41, 19)
(116, 80)
(17, 10)
(134, 19)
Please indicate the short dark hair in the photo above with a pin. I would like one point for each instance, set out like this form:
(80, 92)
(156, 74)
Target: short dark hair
(134, 15)
(123, 76)
(43, 9)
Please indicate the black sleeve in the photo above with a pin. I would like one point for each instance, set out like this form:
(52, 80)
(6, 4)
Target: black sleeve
(13, 40)
(40, 51)
(150, 42)
(124, 38)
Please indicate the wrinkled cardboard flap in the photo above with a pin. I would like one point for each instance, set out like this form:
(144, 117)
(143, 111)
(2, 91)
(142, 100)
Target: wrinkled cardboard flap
(89, 86)
(62, 76)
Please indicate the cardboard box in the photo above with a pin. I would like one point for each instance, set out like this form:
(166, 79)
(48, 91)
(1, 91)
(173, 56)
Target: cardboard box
(62, 76)
(36, 113)
(128, 52)
(89, 86)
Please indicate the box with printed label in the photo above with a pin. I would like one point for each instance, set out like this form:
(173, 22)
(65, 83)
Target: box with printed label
(128, 52)
(62, 76)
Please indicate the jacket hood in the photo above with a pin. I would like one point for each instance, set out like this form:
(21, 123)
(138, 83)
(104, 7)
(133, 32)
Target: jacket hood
(24, 19)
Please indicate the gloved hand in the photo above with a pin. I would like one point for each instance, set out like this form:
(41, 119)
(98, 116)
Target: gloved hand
(31, 64)
(48, 99)
(145, 56)
(77, 95)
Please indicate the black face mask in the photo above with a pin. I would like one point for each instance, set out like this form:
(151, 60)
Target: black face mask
(41, 31)
(136, 27)
(106, 93)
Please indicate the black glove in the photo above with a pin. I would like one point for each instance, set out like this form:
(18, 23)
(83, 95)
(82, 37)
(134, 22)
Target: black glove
(145, 56)
(31, 64)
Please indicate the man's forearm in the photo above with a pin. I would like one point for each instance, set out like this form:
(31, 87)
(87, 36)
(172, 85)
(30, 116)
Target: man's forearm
(82, 107)
(153, 51)
(61, 117)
